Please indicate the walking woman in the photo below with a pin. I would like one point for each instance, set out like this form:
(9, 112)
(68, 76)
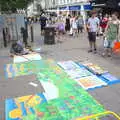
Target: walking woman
(67, 24)
(112, 34)
(74, 26)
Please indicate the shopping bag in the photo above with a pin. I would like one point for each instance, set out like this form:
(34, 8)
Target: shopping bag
(105, 42)
(71, 31)
(116, 47)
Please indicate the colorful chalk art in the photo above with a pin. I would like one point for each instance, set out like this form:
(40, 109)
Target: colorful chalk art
(95, 68)
(21, 69)
(71, 100)
(25, 58)
(91, 82)
(65, 96)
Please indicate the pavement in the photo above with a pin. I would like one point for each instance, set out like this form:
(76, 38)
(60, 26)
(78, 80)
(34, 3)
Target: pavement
(71, 48)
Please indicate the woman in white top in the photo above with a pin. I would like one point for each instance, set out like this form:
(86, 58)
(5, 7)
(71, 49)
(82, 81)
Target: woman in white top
(74, 25)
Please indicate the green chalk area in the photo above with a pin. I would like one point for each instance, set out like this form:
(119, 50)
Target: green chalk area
(73, 101)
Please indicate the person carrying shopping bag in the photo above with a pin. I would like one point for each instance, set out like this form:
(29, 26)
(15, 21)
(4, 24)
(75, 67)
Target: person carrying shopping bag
(111, 35)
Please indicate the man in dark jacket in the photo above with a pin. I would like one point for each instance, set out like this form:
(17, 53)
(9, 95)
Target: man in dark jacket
(24, 35)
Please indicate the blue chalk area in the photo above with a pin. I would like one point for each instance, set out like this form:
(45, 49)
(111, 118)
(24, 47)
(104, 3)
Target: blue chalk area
(11, 69)
(32, 110)
(9, 106)
(43, 98)
(5, 73)
(97, 87)
(23, 109)
(109, 78)
(80, 65)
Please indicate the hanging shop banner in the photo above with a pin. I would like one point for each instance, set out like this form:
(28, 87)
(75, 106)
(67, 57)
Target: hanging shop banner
(64, 8)
(87, 7)
(75, 8)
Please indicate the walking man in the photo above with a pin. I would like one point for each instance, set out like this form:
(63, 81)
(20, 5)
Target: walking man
(80, 24)
(92, 27)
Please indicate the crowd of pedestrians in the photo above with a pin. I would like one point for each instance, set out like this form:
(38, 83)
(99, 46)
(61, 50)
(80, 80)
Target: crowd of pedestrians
(96, 24)
(107, 26)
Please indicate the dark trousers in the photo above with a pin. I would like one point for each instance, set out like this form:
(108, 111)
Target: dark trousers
(92, 40)
(80, 29)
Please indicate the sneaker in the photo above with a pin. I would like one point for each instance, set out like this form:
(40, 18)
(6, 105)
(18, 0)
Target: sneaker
(89, 51)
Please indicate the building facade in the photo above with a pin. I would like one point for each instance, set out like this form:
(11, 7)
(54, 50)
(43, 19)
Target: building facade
(70, 2)
(73, 7)
(70, 5)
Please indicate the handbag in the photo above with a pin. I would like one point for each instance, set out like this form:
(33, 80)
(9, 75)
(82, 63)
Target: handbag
(71, 31)
(105, 42)
(116, 47)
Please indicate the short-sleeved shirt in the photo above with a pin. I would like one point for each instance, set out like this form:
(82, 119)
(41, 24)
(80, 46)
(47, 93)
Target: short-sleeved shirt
(93, 23)
(60, 27)
(43, 21)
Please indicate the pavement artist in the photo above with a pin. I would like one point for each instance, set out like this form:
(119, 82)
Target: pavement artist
(18, 49)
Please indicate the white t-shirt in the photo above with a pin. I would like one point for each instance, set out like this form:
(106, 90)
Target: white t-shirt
(93, 24)
(74, 24)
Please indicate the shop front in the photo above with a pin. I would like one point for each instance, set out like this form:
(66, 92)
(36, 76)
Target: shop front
(75, 10)
(64, 10)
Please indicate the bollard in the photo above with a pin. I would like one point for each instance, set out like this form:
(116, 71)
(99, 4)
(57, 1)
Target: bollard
(32, 36)
(4, 38)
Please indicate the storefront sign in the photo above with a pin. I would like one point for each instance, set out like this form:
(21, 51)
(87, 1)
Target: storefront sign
(74, 8)
(64, 8)
(87, 7)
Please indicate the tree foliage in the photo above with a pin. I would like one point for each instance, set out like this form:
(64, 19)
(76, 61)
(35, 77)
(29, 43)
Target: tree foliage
(13, 5)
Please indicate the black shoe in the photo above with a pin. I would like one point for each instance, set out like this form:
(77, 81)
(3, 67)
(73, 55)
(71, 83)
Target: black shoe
(95, 51)
(89, 51)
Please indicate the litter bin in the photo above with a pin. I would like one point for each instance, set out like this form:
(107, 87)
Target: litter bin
(49, 36)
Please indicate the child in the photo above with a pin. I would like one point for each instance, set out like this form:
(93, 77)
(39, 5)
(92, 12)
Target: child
(61, 30)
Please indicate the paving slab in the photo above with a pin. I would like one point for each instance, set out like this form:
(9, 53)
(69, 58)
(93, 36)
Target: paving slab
(20, 86)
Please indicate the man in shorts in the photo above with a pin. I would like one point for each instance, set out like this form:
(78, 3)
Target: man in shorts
(93, 27)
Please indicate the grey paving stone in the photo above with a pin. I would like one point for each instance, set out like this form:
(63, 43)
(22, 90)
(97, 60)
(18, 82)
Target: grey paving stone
(71, 49)
(20, 86)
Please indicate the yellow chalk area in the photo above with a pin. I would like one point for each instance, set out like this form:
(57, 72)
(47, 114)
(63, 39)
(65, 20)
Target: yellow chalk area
(30, 101)
(15, 68)
(8, 71)
(23, 99)
(97, 116)
(22, 68)
(34, 101)
(17, 113)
